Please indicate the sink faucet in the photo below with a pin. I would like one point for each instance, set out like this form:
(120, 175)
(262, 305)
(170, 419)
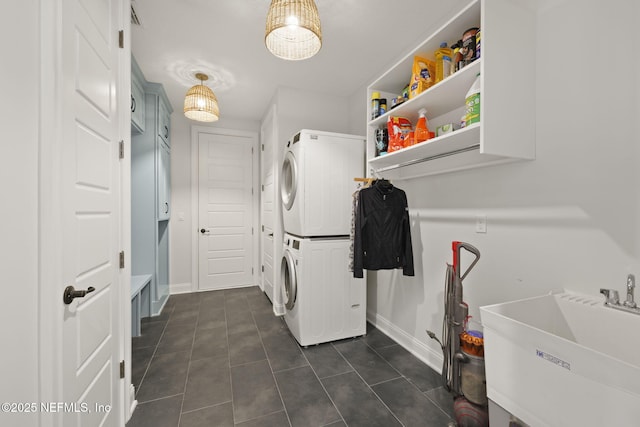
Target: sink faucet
(613, 300)
(611, 295)
(631, 284)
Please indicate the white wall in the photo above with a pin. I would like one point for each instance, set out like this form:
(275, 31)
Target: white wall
(19, 110)
(309, 110)
(567, 219)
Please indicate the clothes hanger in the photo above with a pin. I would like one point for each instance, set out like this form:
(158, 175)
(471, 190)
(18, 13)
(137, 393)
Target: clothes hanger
(366, 181)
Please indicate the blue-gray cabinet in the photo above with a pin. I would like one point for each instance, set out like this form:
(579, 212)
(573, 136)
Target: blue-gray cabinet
(150, 191)
(137, 98)
(164, 181)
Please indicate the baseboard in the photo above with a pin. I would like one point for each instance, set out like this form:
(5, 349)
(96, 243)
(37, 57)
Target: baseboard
(180, 288)
(409, 342)
(158, 306)
(134, 403)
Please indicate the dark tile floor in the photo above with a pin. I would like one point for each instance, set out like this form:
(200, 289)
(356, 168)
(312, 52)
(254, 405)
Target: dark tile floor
(222, 358)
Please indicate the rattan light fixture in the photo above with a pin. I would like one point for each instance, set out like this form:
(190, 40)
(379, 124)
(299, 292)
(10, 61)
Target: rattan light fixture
(200, 103)
(293, 29)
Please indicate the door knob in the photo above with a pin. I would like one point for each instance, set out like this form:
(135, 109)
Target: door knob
(203, 230)
(70, 293)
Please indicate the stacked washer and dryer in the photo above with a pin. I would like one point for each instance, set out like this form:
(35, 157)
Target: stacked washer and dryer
(323, 301)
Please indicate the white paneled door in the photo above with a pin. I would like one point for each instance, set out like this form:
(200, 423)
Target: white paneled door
(225, 211)
(268, 202)
(90, 219)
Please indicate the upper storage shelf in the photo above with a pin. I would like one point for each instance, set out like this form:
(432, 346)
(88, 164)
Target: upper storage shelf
(506, 131)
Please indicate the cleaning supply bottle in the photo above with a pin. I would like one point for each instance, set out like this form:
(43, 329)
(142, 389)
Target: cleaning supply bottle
(375, 105)
(453, 60)
(472, 102)
(456, 60)
(443, 62)
(421, 132)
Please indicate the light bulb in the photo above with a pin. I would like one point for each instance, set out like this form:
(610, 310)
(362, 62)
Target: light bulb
(292, 21)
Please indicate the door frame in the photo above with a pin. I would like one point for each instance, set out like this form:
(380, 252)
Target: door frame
(267, 141)
(195, 198)
(49, 256)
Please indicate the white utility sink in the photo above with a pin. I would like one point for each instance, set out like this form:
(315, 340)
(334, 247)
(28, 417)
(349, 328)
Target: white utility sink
(563, 360)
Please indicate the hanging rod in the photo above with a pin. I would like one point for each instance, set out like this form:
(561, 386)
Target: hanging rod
(427, 159)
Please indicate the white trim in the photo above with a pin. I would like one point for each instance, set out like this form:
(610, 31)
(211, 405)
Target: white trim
(49, 257)
(195, 256)
(406, 340)
(133, 403)
(127, 391)
(180, 288)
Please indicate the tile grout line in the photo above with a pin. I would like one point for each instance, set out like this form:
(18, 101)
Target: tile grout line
(186, 380)
(324, 388)
(226, 336)
(367, 384)
(155, 350)
(284, 407)
(405, 377)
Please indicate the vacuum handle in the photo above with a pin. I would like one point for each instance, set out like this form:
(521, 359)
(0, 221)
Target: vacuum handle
(456, 246)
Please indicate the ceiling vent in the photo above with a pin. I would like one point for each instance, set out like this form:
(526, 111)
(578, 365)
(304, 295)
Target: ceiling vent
(135, 14)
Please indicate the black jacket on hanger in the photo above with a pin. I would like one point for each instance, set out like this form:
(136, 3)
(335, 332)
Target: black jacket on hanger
(382, 238)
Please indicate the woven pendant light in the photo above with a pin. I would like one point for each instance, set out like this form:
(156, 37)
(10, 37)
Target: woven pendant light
(200, 103)
(293, 29)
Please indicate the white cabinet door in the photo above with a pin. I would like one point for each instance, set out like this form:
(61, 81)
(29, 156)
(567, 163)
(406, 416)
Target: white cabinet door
(164, 182)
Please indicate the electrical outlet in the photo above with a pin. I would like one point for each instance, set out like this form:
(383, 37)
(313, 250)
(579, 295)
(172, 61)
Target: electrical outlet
(481, 223)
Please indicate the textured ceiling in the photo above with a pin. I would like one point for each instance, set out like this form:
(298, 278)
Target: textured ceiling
(225, 39)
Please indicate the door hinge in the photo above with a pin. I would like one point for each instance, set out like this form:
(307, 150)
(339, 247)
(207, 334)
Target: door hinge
(252, 271)
(262, 187)
(122, 369)
(263, 228)
(121, 259)
(263, 268)
(251, 150)
(262, 147)
(252, 231)
(121, 150)
(121, 39)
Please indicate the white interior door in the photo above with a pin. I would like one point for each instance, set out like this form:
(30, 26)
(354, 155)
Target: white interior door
(90, 194)
(225, 199)
(267, 203)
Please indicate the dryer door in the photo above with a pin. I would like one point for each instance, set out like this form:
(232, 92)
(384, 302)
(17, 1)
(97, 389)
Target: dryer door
(289, 279)
(289, 183)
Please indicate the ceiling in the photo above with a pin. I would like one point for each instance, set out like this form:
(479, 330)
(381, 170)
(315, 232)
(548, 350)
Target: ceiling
(225, 39)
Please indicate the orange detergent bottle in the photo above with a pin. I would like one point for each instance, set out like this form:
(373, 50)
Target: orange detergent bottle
(421, 132)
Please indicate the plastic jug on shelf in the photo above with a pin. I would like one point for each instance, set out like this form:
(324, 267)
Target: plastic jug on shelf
(443, 62)
(472, 102)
